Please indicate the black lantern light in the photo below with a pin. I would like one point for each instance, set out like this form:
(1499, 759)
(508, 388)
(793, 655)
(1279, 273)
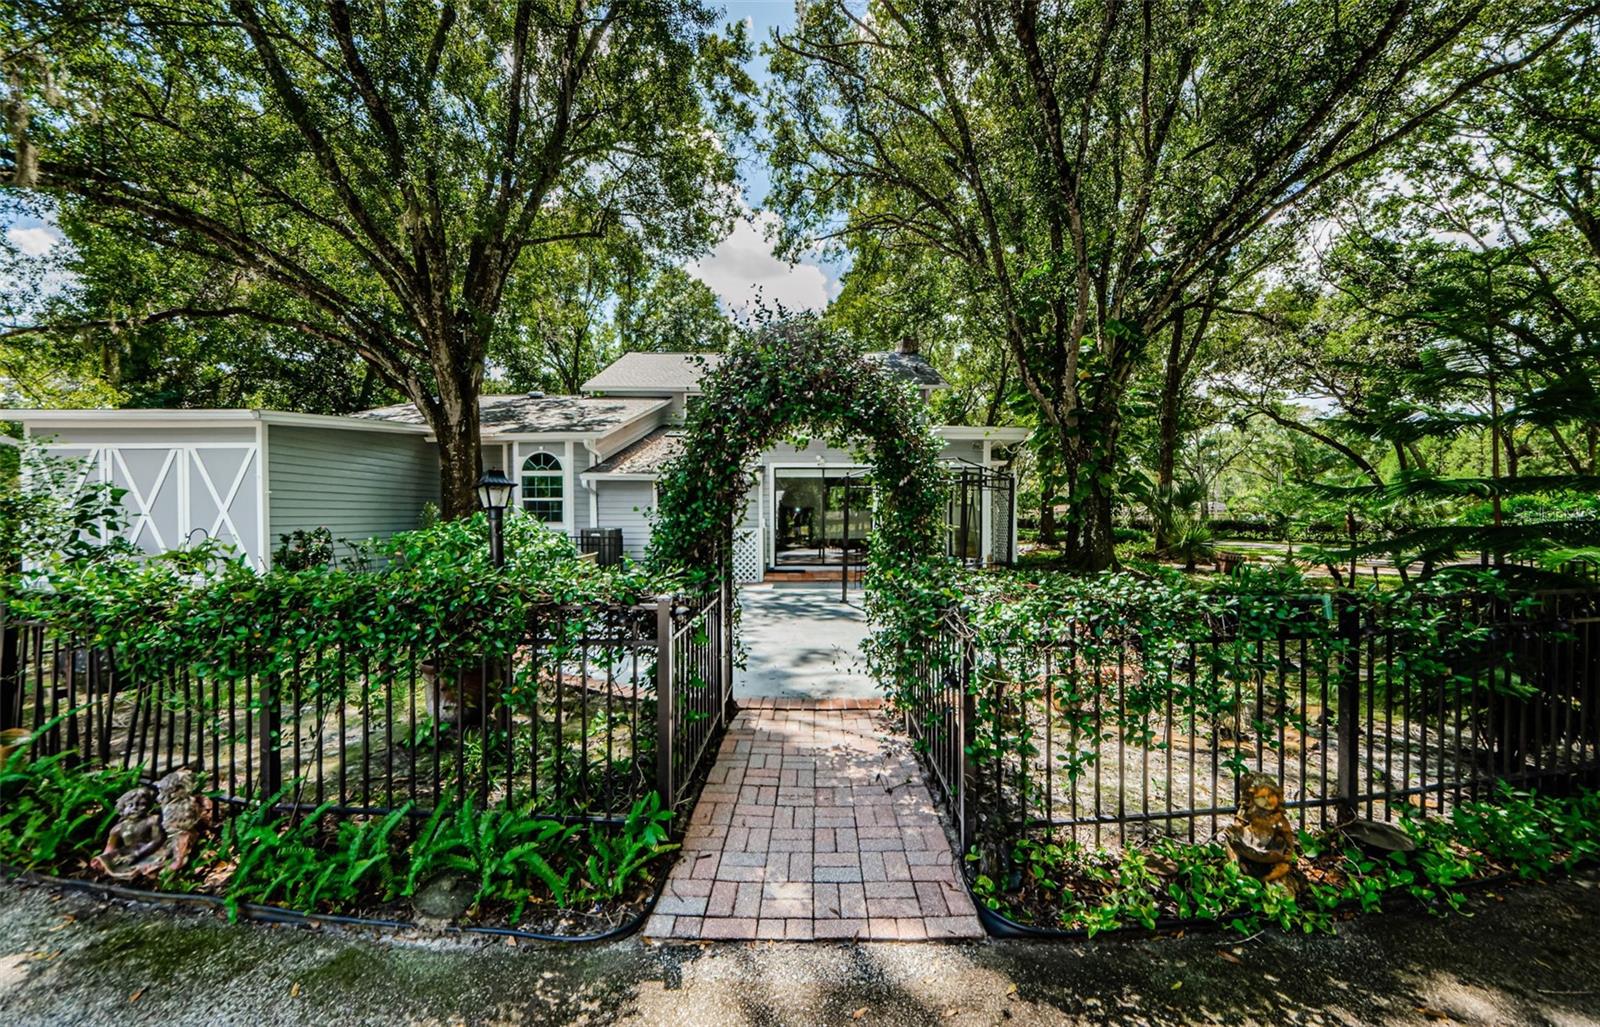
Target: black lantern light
(494, 495)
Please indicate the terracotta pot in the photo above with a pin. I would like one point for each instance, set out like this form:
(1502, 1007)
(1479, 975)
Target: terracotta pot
(12, 739)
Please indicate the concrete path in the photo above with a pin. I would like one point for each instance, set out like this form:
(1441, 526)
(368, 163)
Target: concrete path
(815, 824)
(801, 642)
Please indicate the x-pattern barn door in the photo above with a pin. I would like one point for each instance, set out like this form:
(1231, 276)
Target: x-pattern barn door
(177, 495)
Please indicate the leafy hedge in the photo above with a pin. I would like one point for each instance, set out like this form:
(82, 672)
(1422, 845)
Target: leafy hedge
(432, 590)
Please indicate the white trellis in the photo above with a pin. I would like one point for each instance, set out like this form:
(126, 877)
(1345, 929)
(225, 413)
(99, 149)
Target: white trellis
(746, 555)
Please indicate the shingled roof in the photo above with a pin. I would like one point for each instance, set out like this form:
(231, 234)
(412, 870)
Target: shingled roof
(681, 372)
(911, 366)
(660, 372)
(647, 456)
(536, 414)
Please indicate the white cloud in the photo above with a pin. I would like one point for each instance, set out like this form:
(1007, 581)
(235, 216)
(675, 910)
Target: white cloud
(743, 267)
(35, 242)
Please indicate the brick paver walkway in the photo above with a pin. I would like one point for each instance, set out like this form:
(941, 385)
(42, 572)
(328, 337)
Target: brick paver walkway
(815, 824)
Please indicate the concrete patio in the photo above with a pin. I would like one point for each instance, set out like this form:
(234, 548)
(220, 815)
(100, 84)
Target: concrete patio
(801, 642)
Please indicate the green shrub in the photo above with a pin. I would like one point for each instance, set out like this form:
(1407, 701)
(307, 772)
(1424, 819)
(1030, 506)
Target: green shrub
(1074, 887)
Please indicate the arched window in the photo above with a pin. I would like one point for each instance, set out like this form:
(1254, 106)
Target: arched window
(542, 488)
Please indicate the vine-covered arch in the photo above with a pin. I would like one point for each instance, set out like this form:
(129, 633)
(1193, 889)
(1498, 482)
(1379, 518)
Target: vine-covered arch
(796, 377)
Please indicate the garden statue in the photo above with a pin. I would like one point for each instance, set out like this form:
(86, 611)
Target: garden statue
(1261, 837)
(156, 828)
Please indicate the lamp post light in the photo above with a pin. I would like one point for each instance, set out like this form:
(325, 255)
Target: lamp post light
(494, 495)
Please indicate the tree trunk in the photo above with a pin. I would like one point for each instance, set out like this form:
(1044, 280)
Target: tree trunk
(454, 419)
(1166, 462)
(1047, 521)
(460, 464)
(1091, 516)
(1167, 433)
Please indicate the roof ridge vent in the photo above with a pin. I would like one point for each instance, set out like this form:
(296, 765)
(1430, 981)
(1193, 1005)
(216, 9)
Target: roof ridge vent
(535, 394)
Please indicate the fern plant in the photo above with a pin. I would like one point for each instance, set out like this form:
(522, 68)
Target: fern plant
(617, 858)
(53, 817)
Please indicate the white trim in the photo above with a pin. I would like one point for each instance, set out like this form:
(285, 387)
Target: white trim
(206, 419)
(340, 421)
(264, 498)
(979, 433)
(635, 391)
(223, 503)
(569, 488)
(141, 502)
(104, 462)
(593, 478)
(594, 493)
(986, 513)
(769, 538)
(761, 517)
(519, 457)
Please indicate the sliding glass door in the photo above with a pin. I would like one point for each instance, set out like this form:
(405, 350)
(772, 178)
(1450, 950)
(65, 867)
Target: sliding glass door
(821, 513)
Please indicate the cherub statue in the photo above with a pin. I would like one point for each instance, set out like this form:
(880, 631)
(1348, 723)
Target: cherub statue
(1261, 837)
(134, 837)
(146, 841)
(184, 811)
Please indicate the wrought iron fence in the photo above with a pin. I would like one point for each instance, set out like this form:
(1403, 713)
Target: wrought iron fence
(1106, 737)
(593, 709)
(694, 646)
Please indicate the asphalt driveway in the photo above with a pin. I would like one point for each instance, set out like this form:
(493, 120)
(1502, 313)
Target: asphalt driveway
(1526, 956)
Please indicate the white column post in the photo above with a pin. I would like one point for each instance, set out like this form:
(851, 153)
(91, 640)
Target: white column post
(987, 512)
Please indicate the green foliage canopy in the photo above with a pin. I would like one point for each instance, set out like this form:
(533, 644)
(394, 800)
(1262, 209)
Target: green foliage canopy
(377, 176)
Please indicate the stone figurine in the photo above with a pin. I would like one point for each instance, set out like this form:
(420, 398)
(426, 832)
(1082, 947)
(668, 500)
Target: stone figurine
(1261, 838)
(156, 828)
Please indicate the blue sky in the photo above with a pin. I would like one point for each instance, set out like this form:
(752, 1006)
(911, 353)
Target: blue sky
(743, 266)
(739, 269)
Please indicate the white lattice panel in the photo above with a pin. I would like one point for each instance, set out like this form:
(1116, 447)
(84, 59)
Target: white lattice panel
(746, 555)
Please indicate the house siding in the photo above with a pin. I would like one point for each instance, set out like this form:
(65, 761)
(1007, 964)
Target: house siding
(358, 485)
(628, 505)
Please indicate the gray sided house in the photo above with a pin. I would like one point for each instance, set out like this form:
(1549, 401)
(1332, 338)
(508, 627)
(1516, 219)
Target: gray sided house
(580, 462)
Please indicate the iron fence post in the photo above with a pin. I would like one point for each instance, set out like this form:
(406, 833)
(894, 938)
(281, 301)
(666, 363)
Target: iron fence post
(967, 810)
(725, 599)
(1349, 722)
(664, 702)
(269, 730)
(10, 676)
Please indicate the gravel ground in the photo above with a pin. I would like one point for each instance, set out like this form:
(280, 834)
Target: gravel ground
(1525, 956)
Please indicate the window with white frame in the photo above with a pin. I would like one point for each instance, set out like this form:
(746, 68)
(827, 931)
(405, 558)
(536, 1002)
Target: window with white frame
(542, 489)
